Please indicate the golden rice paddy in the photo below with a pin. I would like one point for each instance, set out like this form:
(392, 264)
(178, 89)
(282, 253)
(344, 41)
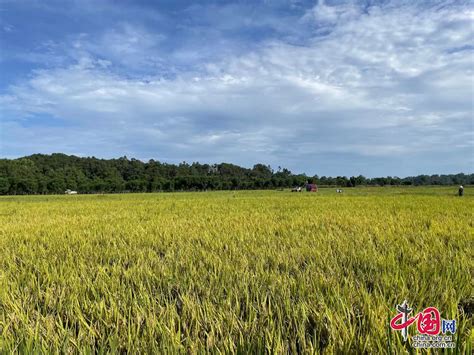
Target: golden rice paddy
(232, 272)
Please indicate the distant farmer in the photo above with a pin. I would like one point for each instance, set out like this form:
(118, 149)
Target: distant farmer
(461, 190)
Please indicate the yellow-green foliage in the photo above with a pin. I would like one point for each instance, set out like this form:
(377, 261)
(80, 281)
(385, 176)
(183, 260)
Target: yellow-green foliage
(232, 271)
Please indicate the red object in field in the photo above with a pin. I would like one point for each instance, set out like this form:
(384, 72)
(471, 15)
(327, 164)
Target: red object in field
(311, 188)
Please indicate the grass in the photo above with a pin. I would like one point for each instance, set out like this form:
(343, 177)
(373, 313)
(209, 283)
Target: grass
(234, 272)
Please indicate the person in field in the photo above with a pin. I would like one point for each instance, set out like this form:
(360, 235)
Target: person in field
(461, 190)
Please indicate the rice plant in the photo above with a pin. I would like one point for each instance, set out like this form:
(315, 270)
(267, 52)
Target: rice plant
(232, 272)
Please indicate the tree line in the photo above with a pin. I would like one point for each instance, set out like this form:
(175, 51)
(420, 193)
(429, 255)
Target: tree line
(52, 174)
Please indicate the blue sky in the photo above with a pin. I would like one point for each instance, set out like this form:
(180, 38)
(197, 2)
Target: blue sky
(322, 87)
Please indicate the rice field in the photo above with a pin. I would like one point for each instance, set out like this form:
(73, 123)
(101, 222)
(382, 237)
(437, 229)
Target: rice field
(232, 272)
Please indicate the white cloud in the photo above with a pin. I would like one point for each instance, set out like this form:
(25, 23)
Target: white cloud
(323, 15)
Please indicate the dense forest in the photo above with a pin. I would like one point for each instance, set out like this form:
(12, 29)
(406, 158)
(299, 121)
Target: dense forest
(50, 174)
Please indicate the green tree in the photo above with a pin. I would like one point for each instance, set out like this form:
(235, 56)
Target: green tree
(4, 185)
